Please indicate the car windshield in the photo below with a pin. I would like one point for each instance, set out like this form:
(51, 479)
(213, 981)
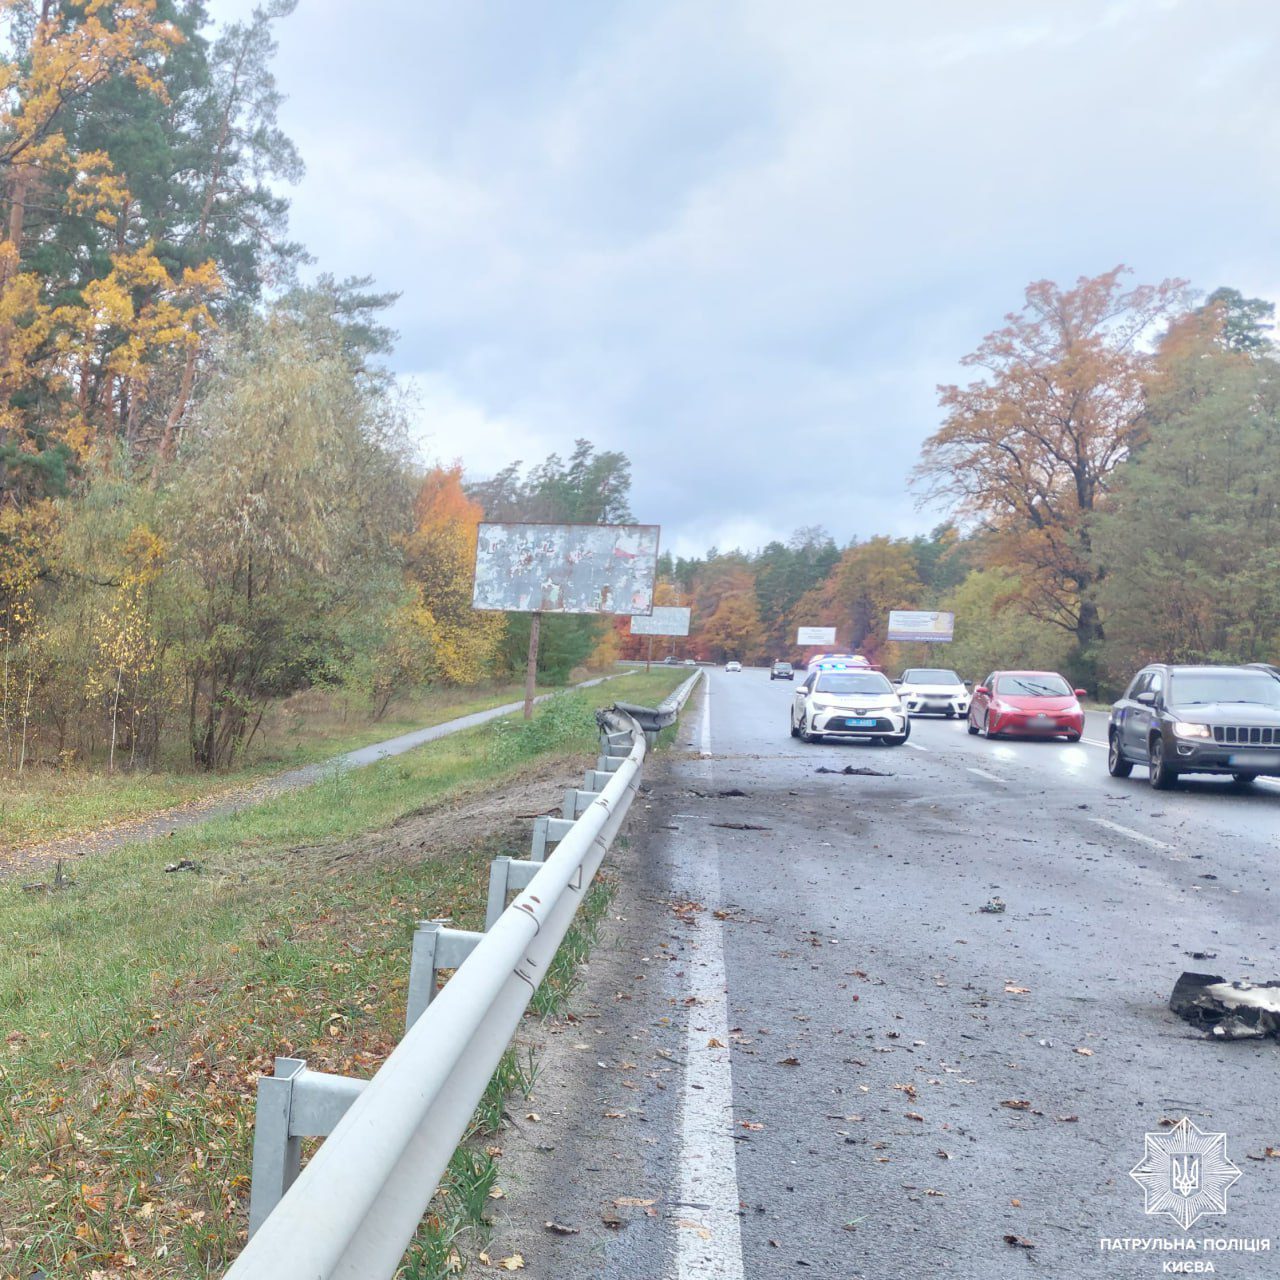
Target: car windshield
(852, 682)
(1194, 688)
(782, 666)
(1033, 686)
(930, 675)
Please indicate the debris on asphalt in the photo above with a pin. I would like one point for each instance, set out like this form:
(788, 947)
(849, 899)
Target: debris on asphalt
(1201, 955)
(741, 826)
(850, 772)
(185, 865)
(559, 1229)
(1240, 1010)
(1019, 1242)
(994, 908)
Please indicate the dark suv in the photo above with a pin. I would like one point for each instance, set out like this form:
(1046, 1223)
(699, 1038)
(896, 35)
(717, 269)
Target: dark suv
(782, 671)
(1196, 720)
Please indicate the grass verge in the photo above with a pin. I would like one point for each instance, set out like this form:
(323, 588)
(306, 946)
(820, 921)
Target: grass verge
(138, 1007)
(44, 804)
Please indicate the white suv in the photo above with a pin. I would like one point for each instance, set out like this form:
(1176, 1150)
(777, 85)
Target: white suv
(933, 691)
(849, 704)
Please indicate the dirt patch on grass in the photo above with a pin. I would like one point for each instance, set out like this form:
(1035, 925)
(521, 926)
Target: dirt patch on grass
(491, 817)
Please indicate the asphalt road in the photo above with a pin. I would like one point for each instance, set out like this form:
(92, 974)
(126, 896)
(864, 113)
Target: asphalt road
(800, 1038)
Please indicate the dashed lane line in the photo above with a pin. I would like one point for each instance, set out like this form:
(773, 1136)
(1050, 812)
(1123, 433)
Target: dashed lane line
(1142, 837)
(982, 773)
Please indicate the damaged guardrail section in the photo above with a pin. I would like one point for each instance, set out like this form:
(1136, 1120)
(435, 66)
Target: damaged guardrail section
(352, 1212)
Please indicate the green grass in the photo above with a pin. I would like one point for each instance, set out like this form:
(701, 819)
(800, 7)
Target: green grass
(137, 1008)
(44, 804)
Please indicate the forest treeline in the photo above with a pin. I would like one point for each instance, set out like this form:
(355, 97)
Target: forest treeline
(1113, 477)
(208, 498)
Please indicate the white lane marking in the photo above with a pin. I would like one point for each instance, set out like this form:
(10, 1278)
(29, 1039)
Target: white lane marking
(706, 717)
(915, 746)
(708, 1157)
(1093, 742)
(1132, 834)
(982, 773)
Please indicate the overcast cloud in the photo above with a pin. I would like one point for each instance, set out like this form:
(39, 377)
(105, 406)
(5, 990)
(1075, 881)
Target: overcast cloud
(743, 241)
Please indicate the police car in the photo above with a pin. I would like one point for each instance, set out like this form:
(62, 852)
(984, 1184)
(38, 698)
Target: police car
(844, 696)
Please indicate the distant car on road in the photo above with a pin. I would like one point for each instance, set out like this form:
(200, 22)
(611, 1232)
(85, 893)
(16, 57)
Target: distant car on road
(1028, 704)
(733, 666)
(1194, 719)
(933, 691)
(668, 661)
(689, 662)
(782, 671)
(849, 704)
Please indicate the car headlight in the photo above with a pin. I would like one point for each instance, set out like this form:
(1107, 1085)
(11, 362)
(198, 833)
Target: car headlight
(895, 706)
(819, 705)
(1184, 730)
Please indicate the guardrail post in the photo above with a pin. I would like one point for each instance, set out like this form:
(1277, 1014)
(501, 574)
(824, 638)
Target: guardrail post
(434, 948)
(577, 802)
(596, 780)
(277, 1155)
(610, 764)
(499, 870)
(547, 830)
(422, 970)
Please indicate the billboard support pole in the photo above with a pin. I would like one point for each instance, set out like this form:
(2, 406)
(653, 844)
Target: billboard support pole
(531, 670)
(648, 657)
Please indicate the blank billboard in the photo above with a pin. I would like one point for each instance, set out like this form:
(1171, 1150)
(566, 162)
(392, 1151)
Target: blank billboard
(566, 568)
(816, 635)
(665, 620)
(932, 628)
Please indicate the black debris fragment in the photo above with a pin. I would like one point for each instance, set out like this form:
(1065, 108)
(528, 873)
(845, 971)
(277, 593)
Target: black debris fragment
(850, 772)
(1228, 1010)
(994, 908)
(741, 826)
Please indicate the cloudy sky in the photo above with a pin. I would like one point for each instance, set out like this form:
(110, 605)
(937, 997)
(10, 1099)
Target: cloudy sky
(743, 240)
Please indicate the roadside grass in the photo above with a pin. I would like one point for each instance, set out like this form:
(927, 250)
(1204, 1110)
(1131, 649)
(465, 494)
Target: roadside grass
(45, 803)
(138, 1008)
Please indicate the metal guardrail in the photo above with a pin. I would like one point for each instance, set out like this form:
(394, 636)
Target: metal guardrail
(353, 1211)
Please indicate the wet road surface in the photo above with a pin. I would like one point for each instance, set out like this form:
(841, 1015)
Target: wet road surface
(811, 1049)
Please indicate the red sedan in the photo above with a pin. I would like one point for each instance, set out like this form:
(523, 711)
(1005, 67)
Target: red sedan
(1027, 704)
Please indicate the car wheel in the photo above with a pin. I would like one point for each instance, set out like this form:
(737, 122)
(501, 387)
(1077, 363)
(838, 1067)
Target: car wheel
(894, 742)
(986, 727)
(1163, 775)
(1073, 737)
(973, 728)
(951, 715)
(795, 733)
(1244, 779)
(1117, 765)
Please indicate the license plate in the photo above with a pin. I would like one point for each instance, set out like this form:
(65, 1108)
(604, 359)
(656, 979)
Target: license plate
(861, 724)
(1256, 759)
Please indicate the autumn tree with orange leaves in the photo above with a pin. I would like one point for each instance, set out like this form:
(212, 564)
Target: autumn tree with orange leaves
(440, 562)
(1028, 450)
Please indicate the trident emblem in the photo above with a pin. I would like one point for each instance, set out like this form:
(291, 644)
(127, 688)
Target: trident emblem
(1184, 1174)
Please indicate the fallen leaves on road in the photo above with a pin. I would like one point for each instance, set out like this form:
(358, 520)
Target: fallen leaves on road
(1066, 1119)
(1010, 989)
(632, 1202)
(703, 1233)
(1019, 1242)
(1085, 1053)
(908, 1089)
(513, 1263)
(559, 1229)
(750, 1124)
(741, 826)
(1016, 1104)
(914, 1115)
(713, 1043)
(788, 1062)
